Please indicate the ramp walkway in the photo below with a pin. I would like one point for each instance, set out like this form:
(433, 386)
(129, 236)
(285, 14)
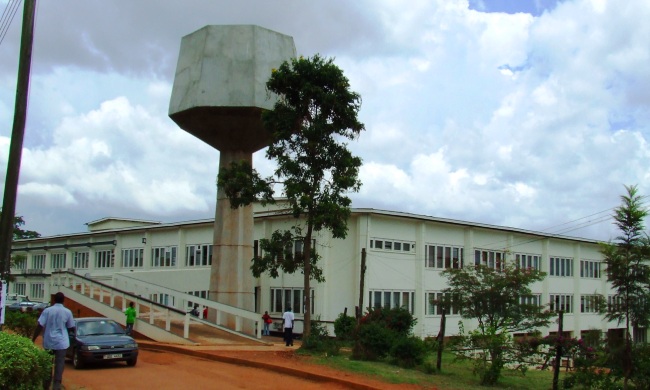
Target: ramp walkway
(159, 322)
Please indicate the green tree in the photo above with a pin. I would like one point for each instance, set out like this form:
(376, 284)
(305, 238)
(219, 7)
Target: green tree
(19, 233)
(314, 114)
(493, 297)
(628, 271)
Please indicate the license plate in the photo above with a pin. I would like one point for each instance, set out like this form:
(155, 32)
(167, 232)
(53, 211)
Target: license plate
(113, 356)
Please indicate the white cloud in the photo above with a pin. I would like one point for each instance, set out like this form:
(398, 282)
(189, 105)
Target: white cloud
(490, 117)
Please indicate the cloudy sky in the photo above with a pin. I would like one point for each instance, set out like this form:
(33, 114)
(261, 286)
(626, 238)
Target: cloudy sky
(524, 113)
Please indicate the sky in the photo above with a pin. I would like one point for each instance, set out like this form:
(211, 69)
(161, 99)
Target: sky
(526, 114)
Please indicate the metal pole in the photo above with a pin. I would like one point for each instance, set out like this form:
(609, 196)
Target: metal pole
(361, 281)
(17, 136)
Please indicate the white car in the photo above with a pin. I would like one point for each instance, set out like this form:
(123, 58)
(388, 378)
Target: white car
(15, 298)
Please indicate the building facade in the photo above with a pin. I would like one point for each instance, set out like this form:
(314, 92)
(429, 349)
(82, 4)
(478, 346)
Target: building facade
(405, 255)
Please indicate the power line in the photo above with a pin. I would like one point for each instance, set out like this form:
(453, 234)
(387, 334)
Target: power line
(6, 19)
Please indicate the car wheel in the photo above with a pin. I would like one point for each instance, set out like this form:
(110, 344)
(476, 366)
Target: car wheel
(132, 362)
(76, 360)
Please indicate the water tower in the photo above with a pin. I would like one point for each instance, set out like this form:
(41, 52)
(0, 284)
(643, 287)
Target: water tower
(218, 96)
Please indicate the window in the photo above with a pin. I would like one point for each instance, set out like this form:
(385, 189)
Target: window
(164, 256)
(589, 303)
(389, 299)
(163, 299)
(132, 258)
(393, 245)
(104, 259)
(21, 264)
(435, 301)
(527, 261)
(282, 298)
(198, 255)
(443, 257)
(80, 260)
(614, 303)
(561, 302)
(198, 293)
(38, 261)
(37, 291)
(20, 288)
(58, 261)
(492, 259)
(590, 269)
(533, 299)
(561, 266)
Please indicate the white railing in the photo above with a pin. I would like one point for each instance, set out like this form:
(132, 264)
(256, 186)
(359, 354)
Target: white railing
(246, 321)
(126, 288)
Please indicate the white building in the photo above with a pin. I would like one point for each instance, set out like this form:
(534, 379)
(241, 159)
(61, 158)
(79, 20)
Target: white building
(405, 256)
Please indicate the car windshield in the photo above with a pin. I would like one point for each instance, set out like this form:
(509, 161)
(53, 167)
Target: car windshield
(94, 328)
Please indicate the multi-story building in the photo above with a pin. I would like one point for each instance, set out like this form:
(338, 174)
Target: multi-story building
(405, 255)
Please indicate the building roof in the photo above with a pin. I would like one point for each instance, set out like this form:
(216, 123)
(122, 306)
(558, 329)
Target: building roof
(115, 225)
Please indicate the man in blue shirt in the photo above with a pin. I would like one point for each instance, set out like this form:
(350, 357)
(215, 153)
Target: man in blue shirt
(56, 320)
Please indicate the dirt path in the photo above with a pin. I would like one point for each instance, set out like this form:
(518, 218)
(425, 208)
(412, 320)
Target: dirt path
(169, 370)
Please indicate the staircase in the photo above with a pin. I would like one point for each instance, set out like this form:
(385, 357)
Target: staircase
(158, 321)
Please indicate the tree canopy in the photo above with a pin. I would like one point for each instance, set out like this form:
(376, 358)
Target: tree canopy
(316, 112)
(497, 298)
(628, 270)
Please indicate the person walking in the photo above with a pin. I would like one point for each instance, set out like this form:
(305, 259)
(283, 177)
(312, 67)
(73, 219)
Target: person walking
(131, 314)
(267, 321)
(55, 322)
(288, 319)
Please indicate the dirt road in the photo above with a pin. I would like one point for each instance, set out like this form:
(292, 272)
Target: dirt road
(164, 370)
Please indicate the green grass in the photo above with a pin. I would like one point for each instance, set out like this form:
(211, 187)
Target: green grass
(455, 374)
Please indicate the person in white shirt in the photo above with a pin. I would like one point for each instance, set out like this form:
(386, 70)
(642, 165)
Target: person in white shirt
(287, 319)
(55, 322)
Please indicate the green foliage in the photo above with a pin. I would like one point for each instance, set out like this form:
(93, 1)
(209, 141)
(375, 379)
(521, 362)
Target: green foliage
(21, 323)
(23, 366)
(344, 327)
(408, 352)
(243, 186)
(313, 116)
(384, 331)
(374, 341)
(641, 374)
(278, 255)
(320, 341)
(628, 271)
(493, 297)
(397, 319)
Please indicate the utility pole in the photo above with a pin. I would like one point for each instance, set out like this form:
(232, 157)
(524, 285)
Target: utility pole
(17, 136)
(362, 279)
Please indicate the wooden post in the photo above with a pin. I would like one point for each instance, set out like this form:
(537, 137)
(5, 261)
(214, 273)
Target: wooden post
(361, 281)
(17, 136)
(441, 338)
(558, 351)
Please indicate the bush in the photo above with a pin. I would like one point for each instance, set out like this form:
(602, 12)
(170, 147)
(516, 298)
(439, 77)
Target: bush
(21, 323)
(344, 326)
(373, 342)
(397, 319)
(23, 366)
(320, 341)
(408, 352)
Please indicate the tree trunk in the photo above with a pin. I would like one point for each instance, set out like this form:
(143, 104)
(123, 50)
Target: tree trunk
(307, 280)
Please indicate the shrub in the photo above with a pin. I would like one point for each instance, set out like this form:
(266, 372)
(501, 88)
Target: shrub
(344, 326)
(408, 352)
(319, 340)
(397, 319)
(373, 342)
(21, 323)
(23, 366)
(641, 374)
